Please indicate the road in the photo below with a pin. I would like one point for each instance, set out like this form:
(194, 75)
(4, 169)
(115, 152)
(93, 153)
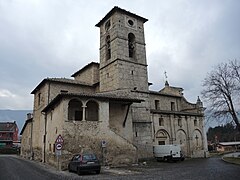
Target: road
(16, 168)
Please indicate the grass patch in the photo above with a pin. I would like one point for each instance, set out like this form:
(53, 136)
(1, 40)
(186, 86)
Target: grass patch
(235, 160)
(215, 154)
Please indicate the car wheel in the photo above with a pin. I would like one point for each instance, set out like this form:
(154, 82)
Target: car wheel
(78, 171)
(69, 169)
(165, 159)
(98, 172)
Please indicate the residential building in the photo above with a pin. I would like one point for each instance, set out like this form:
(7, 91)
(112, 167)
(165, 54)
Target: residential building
(8, 134)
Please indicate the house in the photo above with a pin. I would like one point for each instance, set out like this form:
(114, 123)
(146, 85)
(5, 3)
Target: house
(26, 141)
(228, 146)
(8, 134)
(107, 107)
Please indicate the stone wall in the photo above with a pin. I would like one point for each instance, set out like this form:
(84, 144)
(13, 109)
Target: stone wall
(117, 122)
(86, 136)
(26, 142)
(89, 75)
(122, 71)
(180, 130)
(42, 97)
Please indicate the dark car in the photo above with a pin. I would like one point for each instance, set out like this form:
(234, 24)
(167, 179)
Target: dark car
(84, 163)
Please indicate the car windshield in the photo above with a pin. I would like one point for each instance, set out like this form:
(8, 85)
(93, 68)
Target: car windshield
(87, 157)
(76, 158)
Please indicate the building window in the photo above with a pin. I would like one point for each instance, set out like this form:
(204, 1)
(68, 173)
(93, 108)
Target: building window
(180, 122)
(131, 45)
(39, 99)
(136, 134)
(161, 122)
(195, 122)
(108, 48)
(107, 25)
(161, 142)
(157, 104)
(172, 106)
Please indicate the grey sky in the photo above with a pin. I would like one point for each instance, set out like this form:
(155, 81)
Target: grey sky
(55, 38)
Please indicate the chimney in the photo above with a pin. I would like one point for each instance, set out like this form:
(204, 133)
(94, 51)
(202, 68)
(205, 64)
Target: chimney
(29, 116)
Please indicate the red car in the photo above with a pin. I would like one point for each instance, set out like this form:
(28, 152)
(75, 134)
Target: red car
(84, 163)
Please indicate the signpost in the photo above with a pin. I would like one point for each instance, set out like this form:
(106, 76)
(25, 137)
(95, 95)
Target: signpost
(58, 146)
(103, 145)
(59, 139)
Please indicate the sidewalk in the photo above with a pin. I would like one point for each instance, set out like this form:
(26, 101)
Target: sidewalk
(233, 158)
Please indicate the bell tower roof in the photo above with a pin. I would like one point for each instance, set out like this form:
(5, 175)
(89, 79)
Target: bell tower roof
(117, 9)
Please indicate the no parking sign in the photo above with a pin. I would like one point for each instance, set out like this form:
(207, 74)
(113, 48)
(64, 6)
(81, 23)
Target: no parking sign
(59, 142)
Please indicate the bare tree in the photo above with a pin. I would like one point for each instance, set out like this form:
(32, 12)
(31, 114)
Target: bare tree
(221, 91)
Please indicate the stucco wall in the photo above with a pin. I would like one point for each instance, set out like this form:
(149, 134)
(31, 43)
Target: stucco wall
(86, 136)
(26, 142)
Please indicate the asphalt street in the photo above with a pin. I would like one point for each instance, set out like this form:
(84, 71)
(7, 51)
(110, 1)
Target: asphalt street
(16, 168)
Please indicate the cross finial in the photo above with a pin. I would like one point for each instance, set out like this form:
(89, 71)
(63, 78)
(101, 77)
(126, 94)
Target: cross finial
(165, 73)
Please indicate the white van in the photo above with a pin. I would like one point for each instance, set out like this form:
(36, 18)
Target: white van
(169, 152)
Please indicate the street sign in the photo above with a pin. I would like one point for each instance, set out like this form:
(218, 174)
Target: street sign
(58, 153)
(59, 139)
(58, 146)
(104, 143)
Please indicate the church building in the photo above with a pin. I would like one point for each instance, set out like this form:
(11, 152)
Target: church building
(107, 107)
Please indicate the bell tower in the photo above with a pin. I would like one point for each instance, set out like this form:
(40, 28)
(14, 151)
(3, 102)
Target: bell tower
(123, 64)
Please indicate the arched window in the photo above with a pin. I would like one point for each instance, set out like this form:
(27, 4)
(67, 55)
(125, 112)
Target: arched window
(162, 137)
(131, 45)
(92, 111)
(75, 111)
(108, 48)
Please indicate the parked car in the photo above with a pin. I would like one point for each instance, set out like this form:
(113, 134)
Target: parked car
(84, 163)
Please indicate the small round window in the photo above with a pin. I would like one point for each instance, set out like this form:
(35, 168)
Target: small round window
(130, 22)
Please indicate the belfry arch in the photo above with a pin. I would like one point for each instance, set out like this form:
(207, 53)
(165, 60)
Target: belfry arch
(131, 45)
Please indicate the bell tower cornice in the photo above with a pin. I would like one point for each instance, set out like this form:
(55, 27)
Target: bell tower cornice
(117, 9)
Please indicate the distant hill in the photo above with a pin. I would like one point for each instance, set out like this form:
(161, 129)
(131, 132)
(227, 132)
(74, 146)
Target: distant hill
(19, 116)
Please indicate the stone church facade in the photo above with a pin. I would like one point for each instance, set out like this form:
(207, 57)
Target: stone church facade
(110, 102)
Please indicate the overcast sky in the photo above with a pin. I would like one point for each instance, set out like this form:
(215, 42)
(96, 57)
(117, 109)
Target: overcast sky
(55, 38)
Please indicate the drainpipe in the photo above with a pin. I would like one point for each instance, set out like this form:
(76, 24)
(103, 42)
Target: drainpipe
(44, 137)
(188, 138)
(31, 136)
